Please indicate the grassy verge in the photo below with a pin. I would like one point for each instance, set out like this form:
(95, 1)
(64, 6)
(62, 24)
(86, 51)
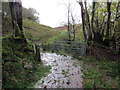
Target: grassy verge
(20, 69)
(100, 73)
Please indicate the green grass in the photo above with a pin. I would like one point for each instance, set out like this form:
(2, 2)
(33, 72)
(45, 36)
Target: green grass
(15, 55)
(38, 33)
(61, 36)
(100, 73)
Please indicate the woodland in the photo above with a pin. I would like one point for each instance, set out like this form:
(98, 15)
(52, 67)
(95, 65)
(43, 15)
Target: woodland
(94, 43)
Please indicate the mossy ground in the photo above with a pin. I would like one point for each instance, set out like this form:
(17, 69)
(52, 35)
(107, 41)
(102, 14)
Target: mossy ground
(100, 73)
(15, 55)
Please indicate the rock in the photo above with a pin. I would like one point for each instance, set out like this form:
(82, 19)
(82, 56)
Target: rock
(24, 61)
(29, 66)
(68, 82)
(45, 86)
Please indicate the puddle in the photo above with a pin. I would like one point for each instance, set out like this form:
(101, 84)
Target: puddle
(65, 72)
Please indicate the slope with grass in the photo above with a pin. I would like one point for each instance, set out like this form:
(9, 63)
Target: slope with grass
(38, 33)
(64, 34)
(20, 69)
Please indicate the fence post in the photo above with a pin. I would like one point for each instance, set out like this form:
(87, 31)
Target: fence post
(83, 48)
(37, 53)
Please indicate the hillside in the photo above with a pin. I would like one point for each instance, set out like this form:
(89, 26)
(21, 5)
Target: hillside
(36, 32)
(64, 33)
(78, 26)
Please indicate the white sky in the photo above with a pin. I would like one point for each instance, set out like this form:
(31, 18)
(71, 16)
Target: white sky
(52, 12)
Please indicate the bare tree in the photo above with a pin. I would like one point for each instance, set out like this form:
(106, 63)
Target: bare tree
(68, 12)
(73, 26)
(71, 22)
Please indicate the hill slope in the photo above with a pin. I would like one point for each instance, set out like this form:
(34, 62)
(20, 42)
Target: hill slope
(36, 32)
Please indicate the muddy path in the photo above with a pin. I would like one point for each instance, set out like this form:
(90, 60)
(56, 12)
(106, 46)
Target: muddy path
(65, 72)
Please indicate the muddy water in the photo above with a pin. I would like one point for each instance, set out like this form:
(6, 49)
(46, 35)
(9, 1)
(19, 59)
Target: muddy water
(65, 72)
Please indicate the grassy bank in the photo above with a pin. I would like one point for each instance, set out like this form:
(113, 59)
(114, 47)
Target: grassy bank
(100, 73)
(38, 33)
(20, 69)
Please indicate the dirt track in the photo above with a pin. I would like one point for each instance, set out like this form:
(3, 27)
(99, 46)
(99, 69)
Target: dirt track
(65, 72)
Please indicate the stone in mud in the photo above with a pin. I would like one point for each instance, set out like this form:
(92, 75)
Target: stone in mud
(29, 66)
(68, 82)
(45, 86)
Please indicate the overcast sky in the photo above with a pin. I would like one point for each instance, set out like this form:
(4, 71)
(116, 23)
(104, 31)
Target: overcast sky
(53, 12)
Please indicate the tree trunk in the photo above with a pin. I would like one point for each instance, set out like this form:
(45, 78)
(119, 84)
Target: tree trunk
(93, 11)
(69, 24)
(16, 15)
(88, 23)
(37, 49)
(83, 20)
(73, 26)
(11, 4)
(108, 20)
(107, 41)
